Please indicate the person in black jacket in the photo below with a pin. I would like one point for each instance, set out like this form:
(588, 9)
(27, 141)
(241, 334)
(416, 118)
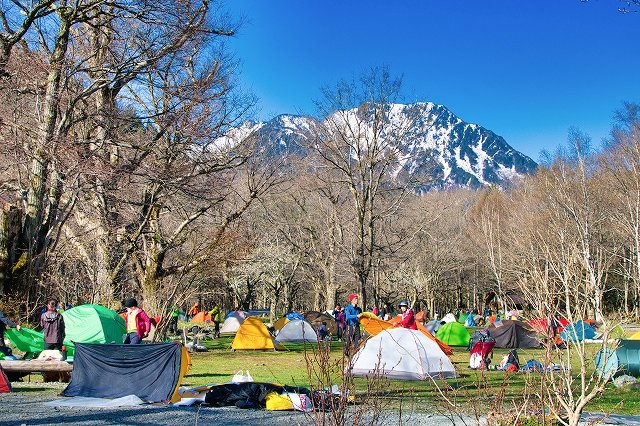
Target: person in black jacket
(4, 323)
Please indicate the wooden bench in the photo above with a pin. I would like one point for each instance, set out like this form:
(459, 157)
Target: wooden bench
(52, 371)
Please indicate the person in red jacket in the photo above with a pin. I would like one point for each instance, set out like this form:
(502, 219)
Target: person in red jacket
(138, 323)
(408, 317)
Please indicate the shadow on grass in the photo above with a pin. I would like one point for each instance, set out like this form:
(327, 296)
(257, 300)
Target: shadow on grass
(205, 375)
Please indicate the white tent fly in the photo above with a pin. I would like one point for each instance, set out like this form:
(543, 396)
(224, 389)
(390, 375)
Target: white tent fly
(400, 353)
(233, 322)
(297, 331)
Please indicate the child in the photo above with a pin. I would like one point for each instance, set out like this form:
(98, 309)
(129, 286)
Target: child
(323, 333)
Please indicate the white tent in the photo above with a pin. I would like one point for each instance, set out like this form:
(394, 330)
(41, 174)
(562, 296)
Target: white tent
(400, 353)
(233, 322)
(297, 331)
(448, 318)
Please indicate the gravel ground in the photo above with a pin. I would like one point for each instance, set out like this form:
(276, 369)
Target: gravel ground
(25, 406)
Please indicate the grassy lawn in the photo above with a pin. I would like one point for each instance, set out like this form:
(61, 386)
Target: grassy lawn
(472, 389)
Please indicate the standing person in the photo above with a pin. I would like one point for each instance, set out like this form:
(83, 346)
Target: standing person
(408, 317)
(216, 317)
(352, 316)
(194, 310)
(52, 324)
(341, 320)
(173, 319)
(138, 323)
(4, 323)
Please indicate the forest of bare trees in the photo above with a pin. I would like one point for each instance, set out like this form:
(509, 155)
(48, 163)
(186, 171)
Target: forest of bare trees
(117, 179)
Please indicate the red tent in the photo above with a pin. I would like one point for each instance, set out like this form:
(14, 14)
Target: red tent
(5, 384)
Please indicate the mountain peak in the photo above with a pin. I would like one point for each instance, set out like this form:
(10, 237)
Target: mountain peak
(438, 145)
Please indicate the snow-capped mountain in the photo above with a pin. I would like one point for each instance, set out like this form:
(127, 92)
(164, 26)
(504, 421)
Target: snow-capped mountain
(437, 147)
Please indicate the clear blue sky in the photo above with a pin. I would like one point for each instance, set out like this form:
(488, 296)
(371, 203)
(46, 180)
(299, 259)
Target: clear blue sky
(527, 70)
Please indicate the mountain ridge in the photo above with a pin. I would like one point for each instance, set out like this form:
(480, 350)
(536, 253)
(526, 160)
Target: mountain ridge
(439, 144)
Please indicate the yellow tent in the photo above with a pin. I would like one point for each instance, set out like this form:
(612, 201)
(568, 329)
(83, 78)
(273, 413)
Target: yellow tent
(635, 336)
(253, 334)
(185, 366)
(280, 323)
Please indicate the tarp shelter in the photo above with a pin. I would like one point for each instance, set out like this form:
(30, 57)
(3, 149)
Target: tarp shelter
(152, 372)
(635, 336)
(316, 318)
(232, 323)
(93, 324)
(294, 316)
(453, 334)
(513, 334)
(5, 384)
(577, 332)
(296, 331)
(400, 353)
(253, 335)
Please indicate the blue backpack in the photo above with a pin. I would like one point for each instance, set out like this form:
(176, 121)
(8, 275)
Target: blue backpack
(533, 365)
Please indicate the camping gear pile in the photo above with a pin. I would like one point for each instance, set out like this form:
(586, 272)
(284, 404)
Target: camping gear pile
(481, 347)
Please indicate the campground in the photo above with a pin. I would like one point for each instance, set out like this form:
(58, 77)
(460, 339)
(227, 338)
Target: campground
(474, 393)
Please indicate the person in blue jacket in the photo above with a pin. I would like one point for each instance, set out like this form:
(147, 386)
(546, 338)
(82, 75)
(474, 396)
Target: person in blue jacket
(352, 316)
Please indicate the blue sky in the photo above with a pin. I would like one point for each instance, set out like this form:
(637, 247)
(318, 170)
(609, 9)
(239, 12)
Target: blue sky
(527, 70)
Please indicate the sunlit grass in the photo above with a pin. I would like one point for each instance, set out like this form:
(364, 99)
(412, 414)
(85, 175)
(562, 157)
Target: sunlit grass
(289, 367)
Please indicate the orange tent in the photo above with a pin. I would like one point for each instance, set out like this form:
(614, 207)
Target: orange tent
(202, 317)
(396, 320)
(420, 317)
(374, 325)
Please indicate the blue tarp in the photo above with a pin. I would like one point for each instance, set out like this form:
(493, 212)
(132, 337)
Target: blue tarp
(294, 316)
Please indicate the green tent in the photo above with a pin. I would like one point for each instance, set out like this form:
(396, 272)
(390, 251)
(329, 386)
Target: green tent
(462, 318)
(84, 323)
(453, 334)
(93, 324)
(27, 340)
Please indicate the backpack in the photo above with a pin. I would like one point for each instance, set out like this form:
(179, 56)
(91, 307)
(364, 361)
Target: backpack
(513, 358)
(533, 365)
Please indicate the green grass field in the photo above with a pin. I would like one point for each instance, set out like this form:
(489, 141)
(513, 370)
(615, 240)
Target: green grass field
(473, 390)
